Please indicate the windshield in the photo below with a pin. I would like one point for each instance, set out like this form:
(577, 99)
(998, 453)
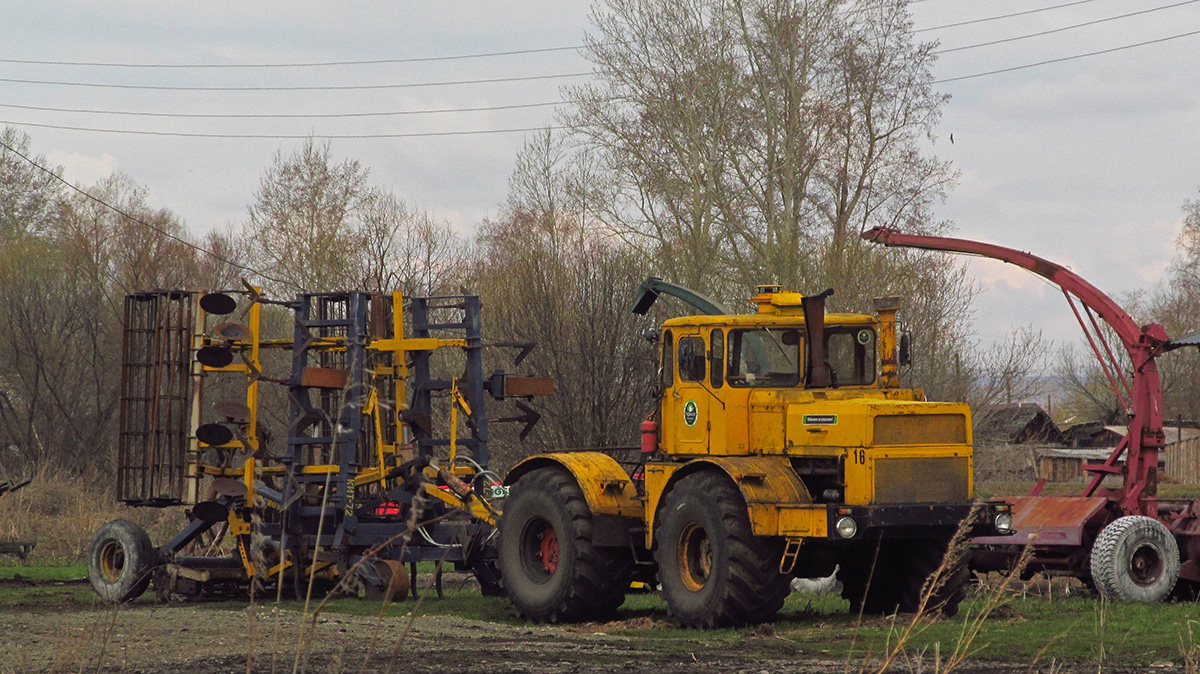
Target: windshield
(764, 358)
(850, 352)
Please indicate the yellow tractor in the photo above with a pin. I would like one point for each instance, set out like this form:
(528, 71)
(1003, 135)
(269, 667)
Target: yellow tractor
(782, 446)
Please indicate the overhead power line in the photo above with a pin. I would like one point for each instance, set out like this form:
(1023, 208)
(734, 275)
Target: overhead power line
(310, 64)
(199, 115)
(318, 87)
(1067, 58)
(528, 129)
(429, 59)
(138, 220)
(516, 106)
(1064, 28)
(1002, 16)
(320, 136)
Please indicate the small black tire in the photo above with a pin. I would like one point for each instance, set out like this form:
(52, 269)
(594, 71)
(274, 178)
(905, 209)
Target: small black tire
(121, 561)
(1135, 559)
(713, 570)
(551, 570)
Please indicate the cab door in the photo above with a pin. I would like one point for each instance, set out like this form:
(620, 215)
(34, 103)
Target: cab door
(688, 399)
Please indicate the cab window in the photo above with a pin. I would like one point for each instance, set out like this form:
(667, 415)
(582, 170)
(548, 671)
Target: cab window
(850, 352)
(667, 374)
(716, 358)
(691, 359)
(763, 357)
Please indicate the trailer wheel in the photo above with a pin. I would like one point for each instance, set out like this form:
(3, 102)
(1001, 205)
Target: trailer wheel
(121, 561)
(1135, 558)
(713, 570)
(552, 572)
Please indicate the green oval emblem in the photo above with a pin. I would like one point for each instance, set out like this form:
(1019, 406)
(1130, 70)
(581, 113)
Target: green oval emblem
(691, 412)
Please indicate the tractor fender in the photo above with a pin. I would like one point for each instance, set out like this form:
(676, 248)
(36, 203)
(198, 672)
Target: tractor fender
(777, 502)
(607, 487)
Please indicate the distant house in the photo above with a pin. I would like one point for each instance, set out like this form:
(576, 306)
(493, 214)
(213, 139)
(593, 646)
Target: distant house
(1094, 442)
(1018, 424)
(1096, 434)
(1060, 464)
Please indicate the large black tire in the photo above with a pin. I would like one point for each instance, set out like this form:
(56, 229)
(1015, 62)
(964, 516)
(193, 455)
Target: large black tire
(908, 577)
(936, 578)
(1135, 558)
(713, 570)
(121, 561)
(551, 570)
(869, 580)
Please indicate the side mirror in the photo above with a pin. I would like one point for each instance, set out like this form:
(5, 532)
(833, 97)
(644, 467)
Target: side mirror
(905, 355)
(651, 335)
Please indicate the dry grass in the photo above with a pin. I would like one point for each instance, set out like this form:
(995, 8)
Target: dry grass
(61, 512)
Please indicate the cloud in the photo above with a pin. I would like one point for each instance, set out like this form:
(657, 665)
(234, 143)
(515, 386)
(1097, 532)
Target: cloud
(83, 170)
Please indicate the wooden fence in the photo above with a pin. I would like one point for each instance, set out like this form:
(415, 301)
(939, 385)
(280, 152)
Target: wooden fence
(1181, 461)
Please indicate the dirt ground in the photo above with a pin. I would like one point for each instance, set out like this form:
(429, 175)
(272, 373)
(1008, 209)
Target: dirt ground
(200, 639)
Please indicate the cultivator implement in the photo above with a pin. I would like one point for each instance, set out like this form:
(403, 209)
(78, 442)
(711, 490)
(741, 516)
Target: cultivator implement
(363, 480)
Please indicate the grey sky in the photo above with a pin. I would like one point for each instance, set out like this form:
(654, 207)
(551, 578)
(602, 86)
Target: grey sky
(1086, 162)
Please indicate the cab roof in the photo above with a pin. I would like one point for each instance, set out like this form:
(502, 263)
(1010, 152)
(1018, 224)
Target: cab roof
(765, 320)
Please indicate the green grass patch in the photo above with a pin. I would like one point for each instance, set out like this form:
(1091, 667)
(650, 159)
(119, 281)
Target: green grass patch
(66, 570)
(42, 585)
(1023, 630)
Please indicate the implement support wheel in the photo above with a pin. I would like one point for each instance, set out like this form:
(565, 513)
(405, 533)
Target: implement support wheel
(714, 571)
(551, 570)
(121, 561)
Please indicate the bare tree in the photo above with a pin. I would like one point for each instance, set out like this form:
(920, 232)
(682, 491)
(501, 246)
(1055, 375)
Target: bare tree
(28, 196)
(547, 274)
(406, 249)
(302, 226)
(751, 141)
(318, 225)
(1011, 371)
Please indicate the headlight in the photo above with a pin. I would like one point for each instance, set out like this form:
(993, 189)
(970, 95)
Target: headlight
(1003, 523)
(847, 527)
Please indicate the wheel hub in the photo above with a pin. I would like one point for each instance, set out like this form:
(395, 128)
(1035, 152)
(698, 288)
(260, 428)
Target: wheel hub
(695, 557)
(112, 561)
(549, 549)
(1146, 565)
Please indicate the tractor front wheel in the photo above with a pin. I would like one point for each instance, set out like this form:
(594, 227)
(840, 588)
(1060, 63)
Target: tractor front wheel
(906, 576)
(551, 570)
(713, 570)
(121, 561)
(1135, 558)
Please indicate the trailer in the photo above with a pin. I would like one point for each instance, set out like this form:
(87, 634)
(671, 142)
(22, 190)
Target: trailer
(1118, 535)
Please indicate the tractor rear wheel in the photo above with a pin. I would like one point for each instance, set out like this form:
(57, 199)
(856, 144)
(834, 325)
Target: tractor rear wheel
(713, 570)
(551, 570)
(1135, 558)
(121, 561)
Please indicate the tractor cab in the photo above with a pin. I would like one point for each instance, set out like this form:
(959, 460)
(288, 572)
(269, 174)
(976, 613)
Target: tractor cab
(718, 370)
